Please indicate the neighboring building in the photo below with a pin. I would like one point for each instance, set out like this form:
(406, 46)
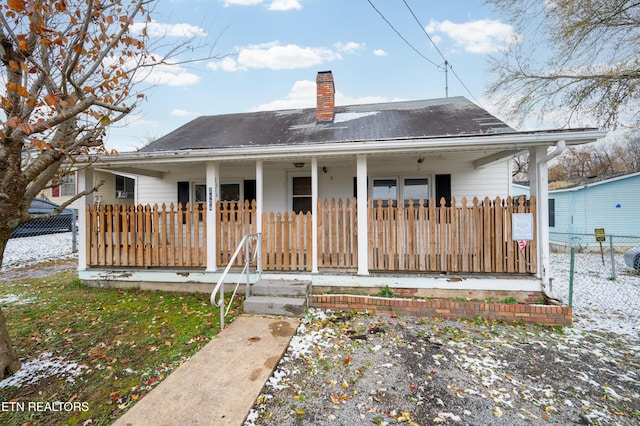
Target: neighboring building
(309, 181)
(612, 204)
(116, 189)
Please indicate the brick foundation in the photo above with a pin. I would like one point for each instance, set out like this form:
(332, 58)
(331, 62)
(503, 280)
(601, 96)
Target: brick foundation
(513, 313)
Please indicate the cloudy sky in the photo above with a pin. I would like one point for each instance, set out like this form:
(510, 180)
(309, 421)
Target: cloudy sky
(267, 53)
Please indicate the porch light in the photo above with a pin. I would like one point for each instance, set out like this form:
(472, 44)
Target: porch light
(298, 165)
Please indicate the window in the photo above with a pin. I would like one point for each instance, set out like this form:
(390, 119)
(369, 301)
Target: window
(301, 194)
(229, 192)
(65, 186)
(68, 185)
(125, 187)
(415, 189)
(200, 193)
(384, 189)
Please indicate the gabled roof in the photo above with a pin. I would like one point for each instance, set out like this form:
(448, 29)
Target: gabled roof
(390, 121)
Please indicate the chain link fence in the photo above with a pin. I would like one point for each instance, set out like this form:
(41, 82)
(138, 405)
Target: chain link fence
(589, 273)
(42, 240)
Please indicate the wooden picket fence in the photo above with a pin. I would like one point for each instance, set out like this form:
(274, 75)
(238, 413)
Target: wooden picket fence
(449, 238)
(337, 234)
(235, 220)
(419, 237)
(286, 241)
(145, 236)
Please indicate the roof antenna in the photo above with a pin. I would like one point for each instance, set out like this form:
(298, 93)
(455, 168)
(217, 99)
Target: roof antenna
(446, 78)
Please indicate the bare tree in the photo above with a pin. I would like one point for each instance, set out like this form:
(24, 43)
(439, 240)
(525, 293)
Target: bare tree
(592, 67)
(69, 71)
(598, 161)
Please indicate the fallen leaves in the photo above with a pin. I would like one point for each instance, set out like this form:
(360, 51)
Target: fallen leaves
(420, 371)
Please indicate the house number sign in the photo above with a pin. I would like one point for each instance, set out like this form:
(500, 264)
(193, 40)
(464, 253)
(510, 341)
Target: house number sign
(522, 226)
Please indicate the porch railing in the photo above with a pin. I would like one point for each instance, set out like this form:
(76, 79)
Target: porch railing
(337, 234)
(286, 241)
(419, 237)
(145, 236)
(235, 220)
(450, 237)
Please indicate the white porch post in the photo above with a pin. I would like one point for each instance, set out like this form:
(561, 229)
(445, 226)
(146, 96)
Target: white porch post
(314, 215)
(259, 195)
(361, 194)
(259, 207)
(213, 195)
(539, 182)
(85, 182)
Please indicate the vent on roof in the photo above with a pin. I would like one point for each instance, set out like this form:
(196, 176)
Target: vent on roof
(325, 109)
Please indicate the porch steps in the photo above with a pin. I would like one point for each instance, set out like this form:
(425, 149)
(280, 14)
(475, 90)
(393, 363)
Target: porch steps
(278, 297)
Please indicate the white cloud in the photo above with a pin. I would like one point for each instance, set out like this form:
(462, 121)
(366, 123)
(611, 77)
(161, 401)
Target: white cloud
(241, 2)
(278, 5)
(303, 95)
(156, 29)
(177, 112)
(483, 36)
(169, 75)
(349, 47)
(225, 64)
(149, 70)
(285, 5)
(379, 52)
(276, 57)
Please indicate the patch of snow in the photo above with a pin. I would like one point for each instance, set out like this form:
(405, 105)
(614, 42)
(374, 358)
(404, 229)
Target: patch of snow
(599, 302)
(40, 368)
(348, 116)
(13, 299)
(25, 251)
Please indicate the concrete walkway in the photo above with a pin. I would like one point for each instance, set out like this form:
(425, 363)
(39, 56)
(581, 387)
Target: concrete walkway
(220, 383)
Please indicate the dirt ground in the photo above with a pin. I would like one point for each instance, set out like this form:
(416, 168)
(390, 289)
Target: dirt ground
(357, 369)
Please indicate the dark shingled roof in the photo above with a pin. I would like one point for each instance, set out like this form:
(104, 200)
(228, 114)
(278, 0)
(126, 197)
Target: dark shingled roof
(384, 121)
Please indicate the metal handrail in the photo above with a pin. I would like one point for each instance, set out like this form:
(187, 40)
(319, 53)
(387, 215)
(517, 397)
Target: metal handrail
(219, 288)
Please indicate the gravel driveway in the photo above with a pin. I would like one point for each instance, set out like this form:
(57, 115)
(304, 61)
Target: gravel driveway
(351, 369)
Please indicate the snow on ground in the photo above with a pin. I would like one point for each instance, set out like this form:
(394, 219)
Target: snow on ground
(46, 365)
(599, 301)
(26, 251)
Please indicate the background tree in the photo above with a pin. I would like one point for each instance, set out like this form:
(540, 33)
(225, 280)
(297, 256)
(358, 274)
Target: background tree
(597, 161)
(575, 59)
(67, 71)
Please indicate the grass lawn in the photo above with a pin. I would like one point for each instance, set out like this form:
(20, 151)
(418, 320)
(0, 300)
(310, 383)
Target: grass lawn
(91, 353)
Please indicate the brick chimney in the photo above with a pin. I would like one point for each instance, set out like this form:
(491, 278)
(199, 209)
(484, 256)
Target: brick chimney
(325, 110)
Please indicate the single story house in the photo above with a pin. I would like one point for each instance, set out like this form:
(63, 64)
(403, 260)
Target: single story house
(611, 205)
(414, 195)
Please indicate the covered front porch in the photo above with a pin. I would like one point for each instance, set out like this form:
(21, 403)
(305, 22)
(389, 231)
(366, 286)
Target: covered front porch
(466, 236)
(184, 226)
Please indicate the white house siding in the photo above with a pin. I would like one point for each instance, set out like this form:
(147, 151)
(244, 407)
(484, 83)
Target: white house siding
(106, 194)
(491, 181)
(165, 190)
(337, 182)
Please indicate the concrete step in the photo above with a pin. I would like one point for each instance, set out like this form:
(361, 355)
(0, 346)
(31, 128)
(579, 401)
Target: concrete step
(281, 288)
(272, 305)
